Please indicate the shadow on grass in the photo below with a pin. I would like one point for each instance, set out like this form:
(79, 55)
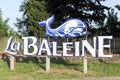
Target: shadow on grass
(41, 62)
(6, 59)
(66, 62)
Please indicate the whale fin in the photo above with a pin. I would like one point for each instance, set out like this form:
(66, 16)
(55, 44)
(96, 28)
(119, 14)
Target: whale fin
(42, 23)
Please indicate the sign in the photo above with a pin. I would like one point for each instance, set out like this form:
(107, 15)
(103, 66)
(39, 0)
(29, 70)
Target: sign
(71, 28)
(14, 47)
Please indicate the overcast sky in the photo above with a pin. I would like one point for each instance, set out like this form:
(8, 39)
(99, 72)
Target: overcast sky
(10, 9)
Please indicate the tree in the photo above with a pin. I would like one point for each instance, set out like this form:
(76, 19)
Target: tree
(38, 10)
(22, 31)
(4, 27)
(87, 10)
(112, 24)
(118, 7)
(33, 12)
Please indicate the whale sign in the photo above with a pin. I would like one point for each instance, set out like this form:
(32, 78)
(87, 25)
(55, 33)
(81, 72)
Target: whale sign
(71, 28)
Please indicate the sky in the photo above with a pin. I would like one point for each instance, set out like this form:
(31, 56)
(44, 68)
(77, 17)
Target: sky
(10, 9)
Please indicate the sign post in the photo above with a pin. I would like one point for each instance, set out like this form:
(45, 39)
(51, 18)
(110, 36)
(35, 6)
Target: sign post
(47, 63)
(85, 64)
(12, 63)
(85, 58)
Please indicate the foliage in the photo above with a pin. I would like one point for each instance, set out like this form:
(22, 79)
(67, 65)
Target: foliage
(87, 10)
(113, 24)
(11, 32)
(22, 31)
(118, 7)
(33, 12)
(5, 29)
(3, 43)
(3, 26)
(38, 10)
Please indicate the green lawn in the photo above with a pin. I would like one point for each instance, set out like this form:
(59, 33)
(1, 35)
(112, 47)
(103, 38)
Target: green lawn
(29, 69)
(3, 44)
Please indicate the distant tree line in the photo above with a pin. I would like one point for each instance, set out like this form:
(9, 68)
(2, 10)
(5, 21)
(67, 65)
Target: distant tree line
(90, 11)
(5, 29)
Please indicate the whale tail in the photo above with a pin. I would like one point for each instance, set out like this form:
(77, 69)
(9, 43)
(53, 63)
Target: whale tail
(49, 21)
(42, 23)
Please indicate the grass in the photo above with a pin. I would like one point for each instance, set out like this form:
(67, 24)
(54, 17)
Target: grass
(3, 43)
(105, 69)
(29, 69)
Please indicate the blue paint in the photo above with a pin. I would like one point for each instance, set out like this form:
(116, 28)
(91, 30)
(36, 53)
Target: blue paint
(71, 28)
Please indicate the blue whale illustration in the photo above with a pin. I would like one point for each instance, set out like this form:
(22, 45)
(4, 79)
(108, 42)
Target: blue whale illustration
(71, 28)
